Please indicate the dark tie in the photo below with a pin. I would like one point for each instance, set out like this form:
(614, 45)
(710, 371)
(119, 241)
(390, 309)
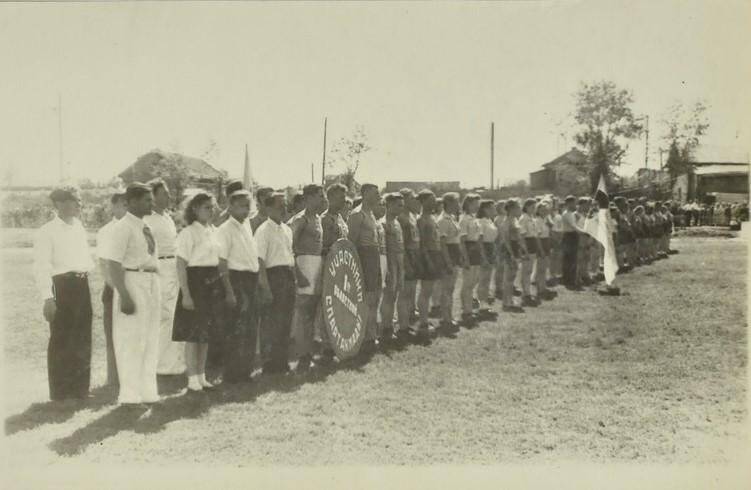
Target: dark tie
(149, 239)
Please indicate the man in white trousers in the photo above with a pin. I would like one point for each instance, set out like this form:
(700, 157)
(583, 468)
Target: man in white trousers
(133, 264)
(171, 354)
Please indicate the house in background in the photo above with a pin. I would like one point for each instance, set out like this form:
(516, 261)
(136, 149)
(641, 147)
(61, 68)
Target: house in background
(721, 175)
(563, 175)
(154, 163)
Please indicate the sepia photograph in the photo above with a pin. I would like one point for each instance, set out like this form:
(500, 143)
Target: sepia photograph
(375, 244)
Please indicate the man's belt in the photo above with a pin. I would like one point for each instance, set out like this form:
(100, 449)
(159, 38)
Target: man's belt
(73, 274)
(166, 257)
(151, 271)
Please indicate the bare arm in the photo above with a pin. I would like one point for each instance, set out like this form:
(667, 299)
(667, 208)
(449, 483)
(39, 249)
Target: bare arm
(182, 278)
(229, 293)
(117, 276)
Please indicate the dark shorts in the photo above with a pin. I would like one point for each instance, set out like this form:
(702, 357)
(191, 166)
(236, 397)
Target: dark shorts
(531, 244)
(546, 246)
(455, 254)
(412, 265)
(204, 322)
(489, 251)
(435, 271)
(370, 261)
(474, 253)
(515, 251)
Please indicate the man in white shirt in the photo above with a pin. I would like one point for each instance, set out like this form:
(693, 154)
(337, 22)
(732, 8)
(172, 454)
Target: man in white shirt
(132, 262)
(171, 354)
(62, 260)
(238, 268)
(118, 211)
(277, 275)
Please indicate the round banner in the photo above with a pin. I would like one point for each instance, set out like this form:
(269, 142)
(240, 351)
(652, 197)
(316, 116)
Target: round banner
(342, 299)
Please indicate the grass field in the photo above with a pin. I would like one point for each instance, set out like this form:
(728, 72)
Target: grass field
(656, 375)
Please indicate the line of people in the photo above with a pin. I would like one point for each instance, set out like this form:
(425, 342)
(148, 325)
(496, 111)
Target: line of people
(229, 288)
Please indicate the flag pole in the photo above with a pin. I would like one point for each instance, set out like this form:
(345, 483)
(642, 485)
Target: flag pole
(492, 154)
(323, 160)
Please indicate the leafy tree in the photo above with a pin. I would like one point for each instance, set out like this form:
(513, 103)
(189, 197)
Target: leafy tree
(175, 175)
(683, 127)
(347, 153)
(606, 125)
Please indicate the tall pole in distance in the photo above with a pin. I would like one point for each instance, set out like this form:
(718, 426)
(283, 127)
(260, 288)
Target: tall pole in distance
(646, 143)
(492, 154)
(323, 161)
(312, 174)
(60, 135)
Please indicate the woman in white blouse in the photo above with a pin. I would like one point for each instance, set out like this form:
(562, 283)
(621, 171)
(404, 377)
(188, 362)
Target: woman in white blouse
(486, 214)
(199, 304)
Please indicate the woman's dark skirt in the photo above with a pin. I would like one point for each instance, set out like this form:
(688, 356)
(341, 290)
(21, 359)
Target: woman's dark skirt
(202, 324)
(489, 251)
(474, 253)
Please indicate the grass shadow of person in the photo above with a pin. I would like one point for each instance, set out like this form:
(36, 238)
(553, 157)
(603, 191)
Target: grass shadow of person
(57, 412)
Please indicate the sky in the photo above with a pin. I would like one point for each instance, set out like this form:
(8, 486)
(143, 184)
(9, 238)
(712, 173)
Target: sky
(424, 80)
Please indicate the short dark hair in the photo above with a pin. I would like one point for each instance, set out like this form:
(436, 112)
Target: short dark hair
(117, 197)
(311, 189)
(392, 197)
(156, 183)
(570, 198)
(233, 186)
(484, 205)
(364, 187)
(511, 204)
(468, 199)
(448, 197)
(334, 188)
(238, 195)
(424, 195)
(297, 199)
(529, 202)
(406, 192)
(196, 200)
(357, 201)
(271, 200)
(136, 190)
(262, 193)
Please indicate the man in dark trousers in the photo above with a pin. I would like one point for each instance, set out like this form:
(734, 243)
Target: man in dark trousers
(62, 260)
(570, 244)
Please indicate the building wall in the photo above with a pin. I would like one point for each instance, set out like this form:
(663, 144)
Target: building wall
(734, 184)
(542, 179)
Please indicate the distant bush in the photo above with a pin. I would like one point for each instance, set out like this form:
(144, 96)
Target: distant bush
(32, 208)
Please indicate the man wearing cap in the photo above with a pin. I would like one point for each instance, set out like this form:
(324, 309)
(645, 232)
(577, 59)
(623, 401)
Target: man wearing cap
(412, 264)
(263, 301)
(133, 261)
(62, 260)
(118, 211)
(171, 354)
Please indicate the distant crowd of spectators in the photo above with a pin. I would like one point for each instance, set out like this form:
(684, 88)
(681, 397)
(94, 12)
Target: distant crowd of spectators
(693, 213)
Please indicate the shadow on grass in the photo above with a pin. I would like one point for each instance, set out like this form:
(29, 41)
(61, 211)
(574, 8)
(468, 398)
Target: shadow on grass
(180, 404)
(39, 414)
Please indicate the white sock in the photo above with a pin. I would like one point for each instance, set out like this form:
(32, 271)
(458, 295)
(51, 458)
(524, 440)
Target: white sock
(194, 381)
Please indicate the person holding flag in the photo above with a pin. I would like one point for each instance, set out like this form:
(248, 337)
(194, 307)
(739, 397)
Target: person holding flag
(600, 227)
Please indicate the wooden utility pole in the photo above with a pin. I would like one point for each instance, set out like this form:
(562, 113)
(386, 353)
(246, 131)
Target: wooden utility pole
(312, 174)
(60, 135)
(492, 154)
(646, 142)
(323, 161)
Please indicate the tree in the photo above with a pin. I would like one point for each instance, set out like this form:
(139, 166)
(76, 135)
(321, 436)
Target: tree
(175, 175)
(606, 125)
(347, 153)
(683, 127)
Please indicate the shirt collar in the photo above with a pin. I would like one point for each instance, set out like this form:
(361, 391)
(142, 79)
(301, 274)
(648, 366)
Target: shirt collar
(237, 223)
(132, 217)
